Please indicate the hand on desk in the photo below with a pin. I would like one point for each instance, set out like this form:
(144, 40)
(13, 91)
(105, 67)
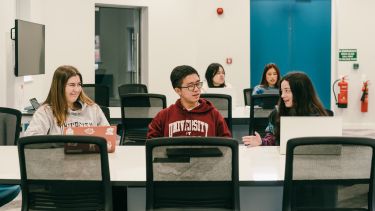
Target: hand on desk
(252, 141)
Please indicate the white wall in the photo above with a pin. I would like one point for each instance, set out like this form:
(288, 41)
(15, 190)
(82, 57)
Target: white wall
(354, 28)
(7, 16)
(190, 33)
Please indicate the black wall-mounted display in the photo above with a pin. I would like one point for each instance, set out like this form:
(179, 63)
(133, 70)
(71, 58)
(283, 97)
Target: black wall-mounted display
(29, 48)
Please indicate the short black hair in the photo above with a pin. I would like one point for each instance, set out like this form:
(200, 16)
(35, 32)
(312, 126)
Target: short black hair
(179, 73)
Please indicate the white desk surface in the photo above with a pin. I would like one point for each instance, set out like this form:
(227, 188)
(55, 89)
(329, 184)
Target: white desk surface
(237, 112)
(257, 166)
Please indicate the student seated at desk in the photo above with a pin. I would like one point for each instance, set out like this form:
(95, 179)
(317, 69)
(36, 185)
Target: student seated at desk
(66, 106)
(298, 98)
(270, 80)
(215, 82)
(190, 115)
(215, 77)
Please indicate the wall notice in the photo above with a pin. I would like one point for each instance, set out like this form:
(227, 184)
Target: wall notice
(347, 54)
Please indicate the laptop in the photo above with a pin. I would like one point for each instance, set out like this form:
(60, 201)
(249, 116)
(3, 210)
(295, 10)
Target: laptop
(310, 126)
(107, 132)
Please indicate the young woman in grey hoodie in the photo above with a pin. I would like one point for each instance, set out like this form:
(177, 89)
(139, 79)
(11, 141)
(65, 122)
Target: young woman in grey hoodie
(66, 106)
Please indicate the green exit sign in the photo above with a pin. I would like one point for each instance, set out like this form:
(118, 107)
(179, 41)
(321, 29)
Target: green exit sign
(348, 55)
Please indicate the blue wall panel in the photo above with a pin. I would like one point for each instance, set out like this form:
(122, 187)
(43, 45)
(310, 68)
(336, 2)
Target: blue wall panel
(296, 35)
(268, 36)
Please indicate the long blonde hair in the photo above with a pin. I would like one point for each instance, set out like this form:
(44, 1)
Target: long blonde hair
(56, 97)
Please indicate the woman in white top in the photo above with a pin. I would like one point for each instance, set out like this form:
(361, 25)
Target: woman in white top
(215, 77)
(66, 106)
(215, 82)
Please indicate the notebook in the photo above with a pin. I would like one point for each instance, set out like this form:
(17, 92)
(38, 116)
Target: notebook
(107, 132)
(310, 126)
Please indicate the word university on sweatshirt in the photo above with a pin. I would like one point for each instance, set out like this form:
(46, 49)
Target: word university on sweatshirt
(188, 128)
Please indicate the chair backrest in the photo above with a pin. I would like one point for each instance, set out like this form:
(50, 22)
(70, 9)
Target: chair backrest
(106, 112)
(132, 88)
(54, 180)
(205, 173)
(137, 111)
(329, 112)
(10, 126)
(247, 95)
(98, 93)
(265, 103)
(328, 182)
(223, 103)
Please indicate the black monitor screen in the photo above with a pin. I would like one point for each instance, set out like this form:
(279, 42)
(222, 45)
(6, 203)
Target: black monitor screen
(30, 39)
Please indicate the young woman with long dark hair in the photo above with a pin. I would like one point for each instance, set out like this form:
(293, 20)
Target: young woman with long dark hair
(297, 98)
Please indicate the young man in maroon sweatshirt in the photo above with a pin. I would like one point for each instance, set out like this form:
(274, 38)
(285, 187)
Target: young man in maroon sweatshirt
(189, 116)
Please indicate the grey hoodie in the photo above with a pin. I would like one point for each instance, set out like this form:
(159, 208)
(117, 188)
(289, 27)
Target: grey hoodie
(44, 123)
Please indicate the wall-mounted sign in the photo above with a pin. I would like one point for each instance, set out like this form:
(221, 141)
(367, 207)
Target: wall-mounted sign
(347, 54)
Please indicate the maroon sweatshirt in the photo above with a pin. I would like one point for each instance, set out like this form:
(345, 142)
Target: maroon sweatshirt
(204, 120)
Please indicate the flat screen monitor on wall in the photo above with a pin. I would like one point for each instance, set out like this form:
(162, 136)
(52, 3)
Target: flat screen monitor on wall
(30, 48)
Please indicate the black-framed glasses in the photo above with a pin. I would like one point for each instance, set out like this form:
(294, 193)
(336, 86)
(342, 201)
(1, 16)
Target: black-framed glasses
(191, 87)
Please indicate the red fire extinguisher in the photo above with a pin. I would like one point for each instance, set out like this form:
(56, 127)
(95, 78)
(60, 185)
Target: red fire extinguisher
(342, 101)
(364, 98)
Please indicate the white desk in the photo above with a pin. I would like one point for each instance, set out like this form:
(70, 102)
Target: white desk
(237, 112)
(240, 114)
(261, 173)
(262, 165)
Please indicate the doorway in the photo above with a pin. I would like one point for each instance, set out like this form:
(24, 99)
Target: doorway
(117, 48)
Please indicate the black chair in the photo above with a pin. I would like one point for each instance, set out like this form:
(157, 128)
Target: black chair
(247, 95)
(341, 181)
(106, 112)
(137, 111)
(223, 103)
(10, 128)
(329, 112)
(98, 93)
(205, 173)
(261, 107)
(132, 88)
(52, 179)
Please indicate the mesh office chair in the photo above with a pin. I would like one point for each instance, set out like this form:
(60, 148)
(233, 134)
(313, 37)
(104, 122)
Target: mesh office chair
(132, 88)
(54, 180)
(329, 112)
(137, 111)
(205, 173)
(106, 112)
(247, 95)
(260, 109)
(10, 128)
(223, 103)
(98, 93)
(342, 181)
